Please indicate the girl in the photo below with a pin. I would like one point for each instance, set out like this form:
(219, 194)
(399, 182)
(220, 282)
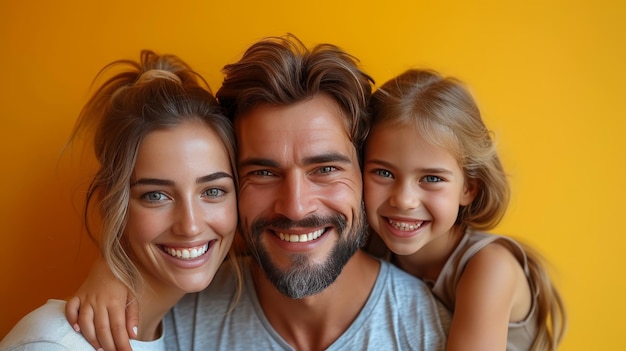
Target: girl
(165, 194)
(432, 182)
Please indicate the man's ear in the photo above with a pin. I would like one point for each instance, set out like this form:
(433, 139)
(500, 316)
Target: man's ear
(470, 190)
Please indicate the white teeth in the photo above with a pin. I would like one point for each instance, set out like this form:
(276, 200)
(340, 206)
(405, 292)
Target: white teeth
(187, 254)
(301, 238)
(406, 226)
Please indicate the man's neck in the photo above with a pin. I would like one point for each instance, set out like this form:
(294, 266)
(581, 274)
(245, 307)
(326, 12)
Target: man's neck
(315, 322)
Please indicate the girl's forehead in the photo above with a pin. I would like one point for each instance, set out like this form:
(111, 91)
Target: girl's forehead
(433, 133)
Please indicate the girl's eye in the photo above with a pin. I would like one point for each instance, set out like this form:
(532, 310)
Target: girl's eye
(432, 179)
(214, 192)
(383, 173)
(155, 196)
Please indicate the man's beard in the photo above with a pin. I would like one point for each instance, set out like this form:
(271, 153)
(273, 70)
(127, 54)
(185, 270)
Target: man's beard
(304, 278)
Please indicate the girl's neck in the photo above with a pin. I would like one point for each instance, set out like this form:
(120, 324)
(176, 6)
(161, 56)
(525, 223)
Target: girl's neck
(428, 262)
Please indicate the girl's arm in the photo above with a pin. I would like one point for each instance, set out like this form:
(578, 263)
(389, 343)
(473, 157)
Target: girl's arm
(99, 310)
(492, 285)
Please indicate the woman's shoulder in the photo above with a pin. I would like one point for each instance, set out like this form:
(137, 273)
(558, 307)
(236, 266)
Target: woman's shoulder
(45, 328)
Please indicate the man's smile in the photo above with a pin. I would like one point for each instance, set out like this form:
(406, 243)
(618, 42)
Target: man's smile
(302, 238)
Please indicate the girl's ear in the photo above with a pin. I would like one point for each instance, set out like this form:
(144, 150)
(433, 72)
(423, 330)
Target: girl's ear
(470, 190)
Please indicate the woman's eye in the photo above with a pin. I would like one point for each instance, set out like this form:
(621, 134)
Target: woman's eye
(383, 173)
(155, 196)
(214, 192)
(432, 179)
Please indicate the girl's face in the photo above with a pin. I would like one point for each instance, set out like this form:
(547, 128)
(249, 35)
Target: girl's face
(182, 212)
(412, 189)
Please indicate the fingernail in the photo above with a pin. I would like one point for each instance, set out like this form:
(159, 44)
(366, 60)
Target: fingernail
(100, 349)
(135, 330)
(76, 328)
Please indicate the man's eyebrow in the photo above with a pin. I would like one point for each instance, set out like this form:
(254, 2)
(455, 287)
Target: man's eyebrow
(312, 160)
(327, 158)
(166, 182)
(257, 161)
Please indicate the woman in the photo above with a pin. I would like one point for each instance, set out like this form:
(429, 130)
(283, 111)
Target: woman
(165, 194)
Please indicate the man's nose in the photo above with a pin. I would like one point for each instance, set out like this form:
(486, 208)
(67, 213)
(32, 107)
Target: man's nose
(297, 198)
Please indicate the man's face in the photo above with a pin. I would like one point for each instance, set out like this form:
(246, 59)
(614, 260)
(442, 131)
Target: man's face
(300, 203)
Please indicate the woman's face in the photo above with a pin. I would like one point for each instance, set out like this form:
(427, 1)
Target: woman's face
(182, 211)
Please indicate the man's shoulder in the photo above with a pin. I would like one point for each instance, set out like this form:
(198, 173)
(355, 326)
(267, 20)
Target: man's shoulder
(400, 281)
(401, 313)
(224, 316)
(405, 295)
(227, 289)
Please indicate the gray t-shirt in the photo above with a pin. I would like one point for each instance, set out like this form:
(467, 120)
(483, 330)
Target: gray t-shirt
(400, 314)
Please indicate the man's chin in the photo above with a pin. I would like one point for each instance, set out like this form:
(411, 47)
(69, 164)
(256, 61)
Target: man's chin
(298, 275)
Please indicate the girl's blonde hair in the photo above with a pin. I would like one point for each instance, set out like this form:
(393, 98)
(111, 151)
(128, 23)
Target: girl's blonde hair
(156, 93)
(444, 112)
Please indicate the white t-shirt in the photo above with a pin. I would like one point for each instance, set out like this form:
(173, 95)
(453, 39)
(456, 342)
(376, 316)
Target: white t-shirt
(47, 329)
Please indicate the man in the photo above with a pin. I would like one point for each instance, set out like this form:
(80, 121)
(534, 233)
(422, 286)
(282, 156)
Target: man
(300, 120)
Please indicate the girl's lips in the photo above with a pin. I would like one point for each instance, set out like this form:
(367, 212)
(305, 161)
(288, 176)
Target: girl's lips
(404, 228)
(404, 225)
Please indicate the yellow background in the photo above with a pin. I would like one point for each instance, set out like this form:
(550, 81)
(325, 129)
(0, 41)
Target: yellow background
(549, 75)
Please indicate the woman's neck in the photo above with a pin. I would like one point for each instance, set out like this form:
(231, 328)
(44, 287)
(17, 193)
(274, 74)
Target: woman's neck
(153, 306)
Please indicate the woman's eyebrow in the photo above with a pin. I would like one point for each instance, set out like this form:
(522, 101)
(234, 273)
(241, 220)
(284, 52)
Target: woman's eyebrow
(152, 181)
(213, 176)
(165, 182)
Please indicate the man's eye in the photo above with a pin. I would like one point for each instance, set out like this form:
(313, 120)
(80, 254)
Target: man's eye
(263, 173)
(214, 192)
(327, 169)
(383, 173)
(432, 179)
(155, 196)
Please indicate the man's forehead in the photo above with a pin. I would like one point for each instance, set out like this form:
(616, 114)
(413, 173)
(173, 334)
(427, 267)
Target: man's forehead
(310, 109)
(311, 146)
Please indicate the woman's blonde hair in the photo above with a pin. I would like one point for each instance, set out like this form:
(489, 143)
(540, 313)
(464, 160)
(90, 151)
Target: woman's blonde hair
(157, 92)
(444, 112)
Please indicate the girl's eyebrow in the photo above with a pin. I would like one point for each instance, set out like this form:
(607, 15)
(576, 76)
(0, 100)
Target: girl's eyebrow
(434, 170)
(166, 182)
